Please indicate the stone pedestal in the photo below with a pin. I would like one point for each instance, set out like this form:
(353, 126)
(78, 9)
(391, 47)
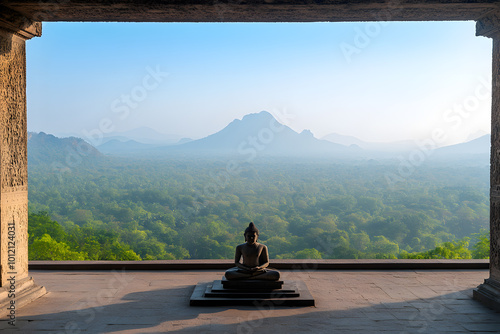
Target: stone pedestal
(489, 291)
(14, 281)
(251, 292)
(251, 284)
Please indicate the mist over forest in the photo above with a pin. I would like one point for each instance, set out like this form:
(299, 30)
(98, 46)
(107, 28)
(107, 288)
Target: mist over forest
(310, 198)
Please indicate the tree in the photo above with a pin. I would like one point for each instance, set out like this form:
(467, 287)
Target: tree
(481, 249)
(46, 248)
(40, 224)
(130, 210)
(119, 252)
(370, 204)
(448, 250)
(389, 227)
(308, 253)
(360, 241)
(383, 248)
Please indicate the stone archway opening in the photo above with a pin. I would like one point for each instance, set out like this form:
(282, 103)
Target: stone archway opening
(21, 20)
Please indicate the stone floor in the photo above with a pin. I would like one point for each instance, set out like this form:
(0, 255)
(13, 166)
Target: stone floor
(346, 302)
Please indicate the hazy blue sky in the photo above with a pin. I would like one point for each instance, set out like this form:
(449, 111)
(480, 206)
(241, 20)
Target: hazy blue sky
(375, 81)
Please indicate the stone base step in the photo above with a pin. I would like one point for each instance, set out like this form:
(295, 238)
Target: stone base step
(488, 293)
(288, 287)
(251, 284)
(25, 292)
(211, 293)
(302, 296)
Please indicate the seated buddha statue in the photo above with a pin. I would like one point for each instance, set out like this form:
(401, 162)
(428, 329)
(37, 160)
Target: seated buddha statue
(251, 259)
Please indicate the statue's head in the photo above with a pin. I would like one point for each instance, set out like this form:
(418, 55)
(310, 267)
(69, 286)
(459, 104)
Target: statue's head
(251, 234)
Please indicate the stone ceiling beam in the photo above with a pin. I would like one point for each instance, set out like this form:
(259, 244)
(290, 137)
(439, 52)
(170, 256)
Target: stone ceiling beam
(251, 11)
(18, 24)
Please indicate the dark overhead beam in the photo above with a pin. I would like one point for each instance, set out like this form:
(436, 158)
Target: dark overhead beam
(251, 11)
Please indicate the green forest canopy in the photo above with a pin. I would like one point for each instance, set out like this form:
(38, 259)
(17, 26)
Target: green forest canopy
(123, 209)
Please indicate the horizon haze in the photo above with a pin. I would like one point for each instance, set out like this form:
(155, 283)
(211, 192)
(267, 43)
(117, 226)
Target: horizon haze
(378, 82)
(261, 135)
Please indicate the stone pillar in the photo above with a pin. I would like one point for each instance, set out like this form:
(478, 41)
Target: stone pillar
(489, 292)
(14, 31)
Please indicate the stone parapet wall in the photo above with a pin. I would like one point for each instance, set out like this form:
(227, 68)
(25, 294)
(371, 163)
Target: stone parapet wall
(288, 264)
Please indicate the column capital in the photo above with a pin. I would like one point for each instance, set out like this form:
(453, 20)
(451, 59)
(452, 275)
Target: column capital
(489, 24)
(19, 24)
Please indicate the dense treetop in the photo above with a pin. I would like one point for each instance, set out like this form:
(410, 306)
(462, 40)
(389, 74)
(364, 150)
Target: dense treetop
(104, 208)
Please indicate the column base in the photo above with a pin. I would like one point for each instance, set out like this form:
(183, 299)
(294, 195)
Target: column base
(488, 294)
(26, 291)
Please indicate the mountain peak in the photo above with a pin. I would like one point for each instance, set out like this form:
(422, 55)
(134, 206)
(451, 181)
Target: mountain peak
(307, 133)
(263, 115)
(71, 151)
(261, 134)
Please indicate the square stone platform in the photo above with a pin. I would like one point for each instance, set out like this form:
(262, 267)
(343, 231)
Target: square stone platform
(346, 301)
(251, 292)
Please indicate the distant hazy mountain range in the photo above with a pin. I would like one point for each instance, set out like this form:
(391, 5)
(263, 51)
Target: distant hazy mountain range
(258, 134)
(479, 146)
(143, 135)
(123, 146)
(398, 146)
(46, 149)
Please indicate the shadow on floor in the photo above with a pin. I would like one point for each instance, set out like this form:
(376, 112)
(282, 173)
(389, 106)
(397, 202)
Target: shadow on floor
(135, 310)
(455, 312)
(168, 310)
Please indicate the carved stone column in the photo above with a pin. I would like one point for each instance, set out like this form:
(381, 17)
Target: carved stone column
(15, 285)
(489, 292)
